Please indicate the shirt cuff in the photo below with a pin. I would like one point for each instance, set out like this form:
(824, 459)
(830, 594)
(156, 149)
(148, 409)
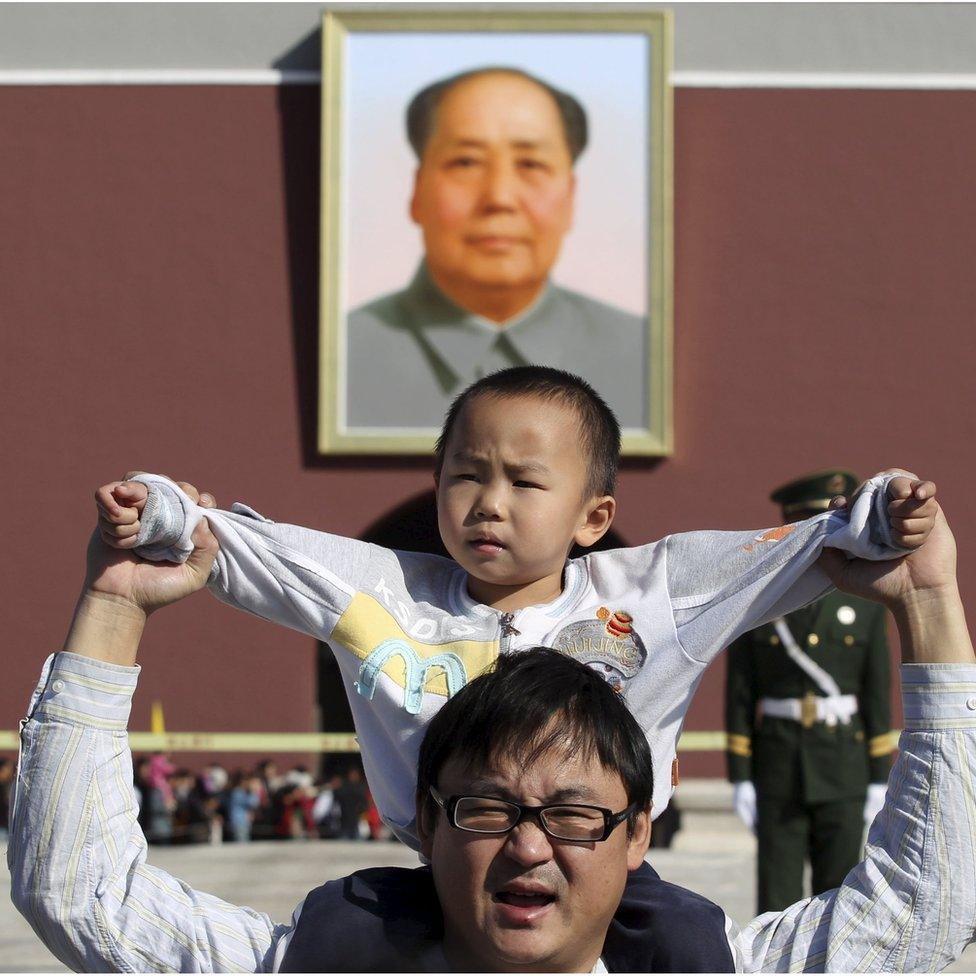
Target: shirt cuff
(939, 696)
(82, 691)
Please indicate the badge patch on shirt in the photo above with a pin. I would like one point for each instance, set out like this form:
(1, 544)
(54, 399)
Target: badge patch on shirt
(609, 645)
(770, 535)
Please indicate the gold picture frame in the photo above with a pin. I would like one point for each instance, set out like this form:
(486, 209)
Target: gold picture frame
(647, 31)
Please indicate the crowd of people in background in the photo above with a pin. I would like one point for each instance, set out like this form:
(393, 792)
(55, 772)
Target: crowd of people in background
(178, 806)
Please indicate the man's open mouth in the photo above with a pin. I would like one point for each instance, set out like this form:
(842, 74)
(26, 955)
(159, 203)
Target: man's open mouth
(524, 899)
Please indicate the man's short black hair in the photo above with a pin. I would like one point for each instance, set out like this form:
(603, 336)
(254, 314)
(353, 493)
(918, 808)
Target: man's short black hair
(423, 108)
(599, 429)
(530, 703)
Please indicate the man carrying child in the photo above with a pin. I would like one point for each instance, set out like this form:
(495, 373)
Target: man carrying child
(533, 808)
(525, 468)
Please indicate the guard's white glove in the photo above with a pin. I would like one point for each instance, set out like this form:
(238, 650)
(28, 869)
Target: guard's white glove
(874, 802)
(744, 802)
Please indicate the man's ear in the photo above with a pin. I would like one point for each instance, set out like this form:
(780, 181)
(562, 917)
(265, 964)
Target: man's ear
(426, 821)
(599, 515)
(639, 840)
(414, 209)
(571, 219)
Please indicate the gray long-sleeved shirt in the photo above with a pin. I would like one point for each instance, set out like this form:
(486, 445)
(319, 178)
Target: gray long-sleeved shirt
(79, 871)
(407, 635)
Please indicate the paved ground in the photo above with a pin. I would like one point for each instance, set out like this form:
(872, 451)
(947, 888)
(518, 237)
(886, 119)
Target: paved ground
(713, 854)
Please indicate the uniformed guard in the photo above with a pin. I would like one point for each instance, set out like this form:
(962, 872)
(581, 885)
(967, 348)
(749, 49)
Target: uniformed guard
(807, 716)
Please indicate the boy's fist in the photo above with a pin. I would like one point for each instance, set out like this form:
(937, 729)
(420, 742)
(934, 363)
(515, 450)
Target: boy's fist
(120, 505)
(915, 518)
(912, 510)
(123, 576)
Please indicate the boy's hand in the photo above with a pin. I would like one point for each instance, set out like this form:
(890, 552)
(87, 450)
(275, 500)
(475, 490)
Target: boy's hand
(912, 509)
(120, 505)
(915, 518)
(124, 578)
(920, 590)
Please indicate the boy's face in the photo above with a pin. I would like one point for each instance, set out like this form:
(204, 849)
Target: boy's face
(510, 498)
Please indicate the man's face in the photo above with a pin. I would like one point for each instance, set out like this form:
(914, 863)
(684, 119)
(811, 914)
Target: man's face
(494, 189)
(523, 901)
(510, 497)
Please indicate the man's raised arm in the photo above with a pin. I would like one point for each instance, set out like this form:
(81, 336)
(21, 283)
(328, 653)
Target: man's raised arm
(910, 905)
(76, 854)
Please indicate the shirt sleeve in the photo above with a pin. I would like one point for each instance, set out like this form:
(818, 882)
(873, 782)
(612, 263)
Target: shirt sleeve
(875, 700)
(298, 577)
(910, 905)
(723, 584)
(77, 855)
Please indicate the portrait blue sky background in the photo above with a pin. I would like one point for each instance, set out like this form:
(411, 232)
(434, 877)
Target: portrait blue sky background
(604, 255)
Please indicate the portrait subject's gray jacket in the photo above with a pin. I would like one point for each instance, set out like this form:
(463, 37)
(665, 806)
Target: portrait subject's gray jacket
(411, 352)
(407, 635)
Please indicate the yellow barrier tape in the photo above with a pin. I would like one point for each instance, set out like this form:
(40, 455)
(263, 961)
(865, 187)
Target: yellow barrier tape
(301, 741)
(304, 742)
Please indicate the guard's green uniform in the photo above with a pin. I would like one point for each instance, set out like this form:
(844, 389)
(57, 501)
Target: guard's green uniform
(810, 776)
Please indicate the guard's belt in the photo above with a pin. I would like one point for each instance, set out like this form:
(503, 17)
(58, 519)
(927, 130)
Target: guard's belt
(829, 709)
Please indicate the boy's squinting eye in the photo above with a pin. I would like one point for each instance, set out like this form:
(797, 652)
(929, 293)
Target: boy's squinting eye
(527, 484)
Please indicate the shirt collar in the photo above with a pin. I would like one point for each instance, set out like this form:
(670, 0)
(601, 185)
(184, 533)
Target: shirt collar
(462, 339)
(575, 580)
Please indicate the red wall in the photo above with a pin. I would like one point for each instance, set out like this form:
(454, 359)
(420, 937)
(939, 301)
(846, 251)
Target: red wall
(158, 293)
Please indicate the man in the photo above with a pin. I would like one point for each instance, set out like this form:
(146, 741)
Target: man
(807, 714)
(532, 807)
(493, 197)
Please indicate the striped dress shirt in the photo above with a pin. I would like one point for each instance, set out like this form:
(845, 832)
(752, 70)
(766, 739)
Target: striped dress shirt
(79, 873)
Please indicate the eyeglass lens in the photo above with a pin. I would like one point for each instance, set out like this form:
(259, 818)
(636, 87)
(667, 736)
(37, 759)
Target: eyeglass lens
(495, 816)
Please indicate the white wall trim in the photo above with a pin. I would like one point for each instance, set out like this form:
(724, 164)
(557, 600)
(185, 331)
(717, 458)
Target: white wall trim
(819, 79)
(680, 79)
(159, 76)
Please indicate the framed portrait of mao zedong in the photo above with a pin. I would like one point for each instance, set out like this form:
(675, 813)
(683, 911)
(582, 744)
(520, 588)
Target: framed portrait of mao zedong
(496, 191)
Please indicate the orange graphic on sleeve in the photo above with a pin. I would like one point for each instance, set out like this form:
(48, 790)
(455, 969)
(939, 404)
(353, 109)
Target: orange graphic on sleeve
(771, 535)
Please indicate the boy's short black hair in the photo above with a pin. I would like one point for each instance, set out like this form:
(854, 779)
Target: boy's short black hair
(529, 703)
(423, 107)
(599, 429)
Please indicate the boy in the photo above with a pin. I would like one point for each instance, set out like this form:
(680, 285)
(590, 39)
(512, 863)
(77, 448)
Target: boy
(410, 629)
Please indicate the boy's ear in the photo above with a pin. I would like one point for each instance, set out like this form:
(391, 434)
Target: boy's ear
(599, 517)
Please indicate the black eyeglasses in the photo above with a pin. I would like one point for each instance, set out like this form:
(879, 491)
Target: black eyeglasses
(564, 821)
